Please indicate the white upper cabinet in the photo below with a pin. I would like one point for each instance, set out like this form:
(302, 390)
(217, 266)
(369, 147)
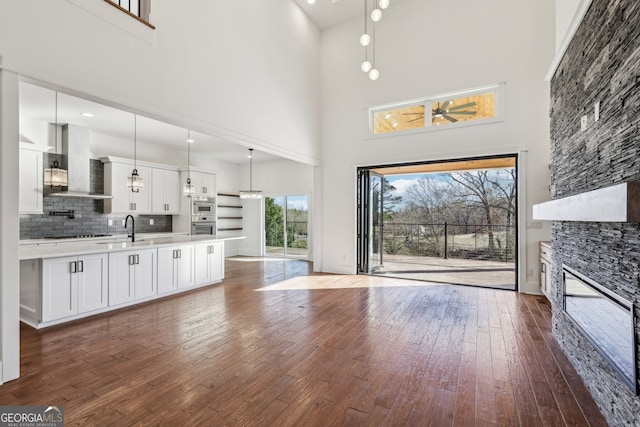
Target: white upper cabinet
(166, 191)
(31, 178)
(204, 183)
(160, 193)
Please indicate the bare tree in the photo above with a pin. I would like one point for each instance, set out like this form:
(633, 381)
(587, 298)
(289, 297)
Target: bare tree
(477, 190)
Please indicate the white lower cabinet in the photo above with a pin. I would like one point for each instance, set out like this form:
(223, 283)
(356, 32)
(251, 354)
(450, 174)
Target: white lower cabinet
(175, 268)
(56, 290)
(73, 285)
(209, 262)
(132, 275)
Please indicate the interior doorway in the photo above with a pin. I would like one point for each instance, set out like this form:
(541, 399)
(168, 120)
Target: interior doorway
(449, 221)
(286, 226)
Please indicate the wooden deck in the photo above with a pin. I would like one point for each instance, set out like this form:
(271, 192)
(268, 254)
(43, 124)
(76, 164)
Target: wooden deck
(493, 274)
(276, 345)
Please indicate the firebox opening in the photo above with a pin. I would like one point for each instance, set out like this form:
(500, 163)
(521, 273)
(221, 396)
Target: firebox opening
(605, 319)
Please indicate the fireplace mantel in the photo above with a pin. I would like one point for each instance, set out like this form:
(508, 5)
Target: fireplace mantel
(617, 203)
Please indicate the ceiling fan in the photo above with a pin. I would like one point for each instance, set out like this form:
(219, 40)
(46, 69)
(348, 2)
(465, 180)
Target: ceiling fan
(446, 112)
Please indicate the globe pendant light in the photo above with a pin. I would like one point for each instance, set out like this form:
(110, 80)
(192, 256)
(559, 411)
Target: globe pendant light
(135, 182)
(251, 193)
(188, 189)
(54, 176)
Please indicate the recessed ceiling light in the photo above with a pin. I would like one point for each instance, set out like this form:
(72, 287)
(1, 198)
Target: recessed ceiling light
(86, 114)
(311, 1)
(191, 141)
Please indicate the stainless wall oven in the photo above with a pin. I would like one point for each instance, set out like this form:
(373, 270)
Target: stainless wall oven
(203, 217)
(203, 227)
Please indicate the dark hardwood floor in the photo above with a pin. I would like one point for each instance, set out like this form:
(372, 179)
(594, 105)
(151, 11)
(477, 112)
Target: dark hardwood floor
(318, 350)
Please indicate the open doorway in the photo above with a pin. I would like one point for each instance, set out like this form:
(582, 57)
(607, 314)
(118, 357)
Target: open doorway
(448, 221)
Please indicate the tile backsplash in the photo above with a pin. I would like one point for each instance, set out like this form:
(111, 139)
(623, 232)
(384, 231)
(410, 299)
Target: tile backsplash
(88, 214)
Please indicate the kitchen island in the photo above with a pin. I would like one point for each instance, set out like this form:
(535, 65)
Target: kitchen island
(60, 282)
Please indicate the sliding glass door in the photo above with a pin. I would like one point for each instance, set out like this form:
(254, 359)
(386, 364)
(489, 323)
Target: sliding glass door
(286, 225)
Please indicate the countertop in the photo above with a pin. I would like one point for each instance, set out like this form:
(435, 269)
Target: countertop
(96, 246)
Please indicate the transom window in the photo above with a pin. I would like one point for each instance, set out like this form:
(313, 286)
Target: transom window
(448, 110)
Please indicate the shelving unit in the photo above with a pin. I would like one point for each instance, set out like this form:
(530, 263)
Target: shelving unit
(229, 209)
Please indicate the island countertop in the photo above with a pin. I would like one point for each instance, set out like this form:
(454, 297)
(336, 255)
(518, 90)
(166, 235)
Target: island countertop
(85, 247)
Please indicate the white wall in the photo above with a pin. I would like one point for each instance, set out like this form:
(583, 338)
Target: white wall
(247, 70)
(278, 177)
(425, 49)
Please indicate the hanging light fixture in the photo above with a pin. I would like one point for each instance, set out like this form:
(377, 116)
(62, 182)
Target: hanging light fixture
(373, 72)
(188, 189)
(135, 182)
(367, 39)
(54, 176)
(251, 193)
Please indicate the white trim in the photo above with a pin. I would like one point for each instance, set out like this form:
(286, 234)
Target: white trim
(498, 89)
(573, 27)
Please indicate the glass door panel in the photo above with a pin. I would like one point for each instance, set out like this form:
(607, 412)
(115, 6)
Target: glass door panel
(375, 221)
(274, 226)
(297, 226)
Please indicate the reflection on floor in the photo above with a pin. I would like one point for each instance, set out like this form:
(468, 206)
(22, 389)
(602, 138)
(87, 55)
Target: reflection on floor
(500, 275)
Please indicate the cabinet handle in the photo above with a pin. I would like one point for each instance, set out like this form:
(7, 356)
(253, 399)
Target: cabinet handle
(137, 258)
(130, 259)
(73, 267)
(208, 249)
(174, 254)
(204, 190)
(135, 206)
(80, 266)
(130, 206)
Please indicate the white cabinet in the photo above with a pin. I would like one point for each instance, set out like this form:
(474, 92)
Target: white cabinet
(166, 191)
(545, 269)
(124, 200)
(31, 179)
(209, 262)
(73, 285)
(132, 275)
(204, 183)
(175, 268)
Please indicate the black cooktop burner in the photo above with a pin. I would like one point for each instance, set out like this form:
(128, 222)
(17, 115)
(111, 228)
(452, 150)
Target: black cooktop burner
(80, 236)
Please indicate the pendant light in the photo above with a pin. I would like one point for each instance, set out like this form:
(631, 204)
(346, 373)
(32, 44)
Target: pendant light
(54, 176)
(251, 193)
(188, 189)
(135, 182)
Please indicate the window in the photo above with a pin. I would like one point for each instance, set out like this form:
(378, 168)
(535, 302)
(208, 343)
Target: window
(478, 105)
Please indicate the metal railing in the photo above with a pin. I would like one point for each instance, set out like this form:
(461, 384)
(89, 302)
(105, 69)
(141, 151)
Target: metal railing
(495, 242)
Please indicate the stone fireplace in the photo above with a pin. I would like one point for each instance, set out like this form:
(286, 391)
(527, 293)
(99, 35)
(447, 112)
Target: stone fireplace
(601, 65)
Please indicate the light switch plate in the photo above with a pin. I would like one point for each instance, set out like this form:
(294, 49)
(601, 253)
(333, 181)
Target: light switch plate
(110, 223)
(596, 111)
(583, 123)
(151, 221)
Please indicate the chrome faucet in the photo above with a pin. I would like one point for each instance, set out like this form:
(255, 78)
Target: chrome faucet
(133, 227)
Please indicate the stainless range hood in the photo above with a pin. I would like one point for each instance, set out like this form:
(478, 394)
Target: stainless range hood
(75, 150)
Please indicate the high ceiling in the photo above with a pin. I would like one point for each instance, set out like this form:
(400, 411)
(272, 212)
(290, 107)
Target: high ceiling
(327, 13)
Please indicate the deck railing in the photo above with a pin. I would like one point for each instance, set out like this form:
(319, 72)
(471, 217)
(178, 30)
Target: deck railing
(494, 242)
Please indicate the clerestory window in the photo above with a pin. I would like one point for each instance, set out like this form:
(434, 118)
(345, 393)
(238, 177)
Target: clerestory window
(450, 110)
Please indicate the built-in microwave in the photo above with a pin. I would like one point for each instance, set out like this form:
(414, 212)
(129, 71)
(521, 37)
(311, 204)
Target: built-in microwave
(200, 208)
